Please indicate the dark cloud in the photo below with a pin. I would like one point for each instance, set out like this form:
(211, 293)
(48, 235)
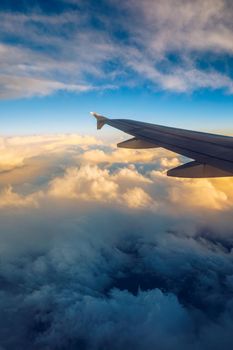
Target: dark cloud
(87, 277)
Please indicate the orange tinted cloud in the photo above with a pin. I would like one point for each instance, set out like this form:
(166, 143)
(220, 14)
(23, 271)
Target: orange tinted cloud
(136, 179)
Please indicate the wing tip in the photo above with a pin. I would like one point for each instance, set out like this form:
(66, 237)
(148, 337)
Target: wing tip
(101, 120)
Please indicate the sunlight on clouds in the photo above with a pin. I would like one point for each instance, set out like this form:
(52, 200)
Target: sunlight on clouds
(79, 168)
(92, 183)
(224, 185)
(52, 140)
(120, 155)
(170, 163)
(14, 150)
(129, 175)
(200, 193)
(137, 198)
(195, 193)
(9, 198)
(88, 183)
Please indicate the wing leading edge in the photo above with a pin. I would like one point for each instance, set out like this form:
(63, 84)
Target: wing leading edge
(212, 154)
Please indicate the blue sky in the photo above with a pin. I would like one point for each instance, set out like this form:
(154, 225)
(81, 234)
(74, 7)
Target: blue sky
(62, 59)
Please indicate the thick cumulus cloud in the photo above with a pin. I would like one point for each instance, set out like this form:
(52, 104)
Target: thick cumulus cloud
(100, 250)
(16, 150)
(81, 46)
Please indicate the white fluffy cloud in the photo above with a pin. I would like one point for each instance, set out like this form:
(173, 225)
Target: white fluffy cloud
(85, 183)
(93, 183)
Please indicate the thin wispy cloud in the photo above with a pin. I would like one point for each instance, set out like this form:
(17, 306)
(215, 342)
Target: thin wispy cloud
(163, 45)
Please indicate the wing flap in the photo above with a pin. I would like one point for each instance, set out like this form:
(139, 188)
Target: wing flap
(136, 143)
(197, 170)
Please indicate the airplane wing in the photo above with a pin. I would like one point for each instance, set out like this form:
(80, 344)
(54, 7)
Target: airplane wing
(212, 155)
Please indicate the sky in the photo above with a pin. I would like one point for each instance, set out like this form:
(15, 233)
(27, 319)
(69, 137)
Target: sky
(99, 249)
(163, 62)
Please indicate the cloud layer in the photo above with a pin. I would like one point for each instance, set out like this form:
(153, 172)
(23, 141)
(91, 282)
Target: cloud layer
(77, 46)
(102, 252)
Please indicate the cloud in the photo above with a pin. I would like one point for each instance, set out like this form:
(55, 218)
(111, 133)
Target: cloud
(81, 49)
(93, 183)
(120, 155)
(90, 250)
(136, 197)
(84, 183)
(15, 150)
(203, 25)
(18, 86)
(184, 79)
(201, 193)
(80, 168)
(9, 198)
(197, 193)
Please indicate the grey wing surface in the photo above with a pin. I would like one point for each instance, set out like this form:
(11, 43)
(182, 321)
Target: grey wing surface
(212, 155)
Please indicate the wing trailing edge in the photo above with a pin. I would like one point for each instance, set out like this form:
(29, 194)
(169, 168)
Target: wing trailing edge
(196, 170)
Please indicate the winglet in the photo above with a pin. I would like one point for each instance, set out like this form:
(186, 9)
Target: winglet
(101, 120)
